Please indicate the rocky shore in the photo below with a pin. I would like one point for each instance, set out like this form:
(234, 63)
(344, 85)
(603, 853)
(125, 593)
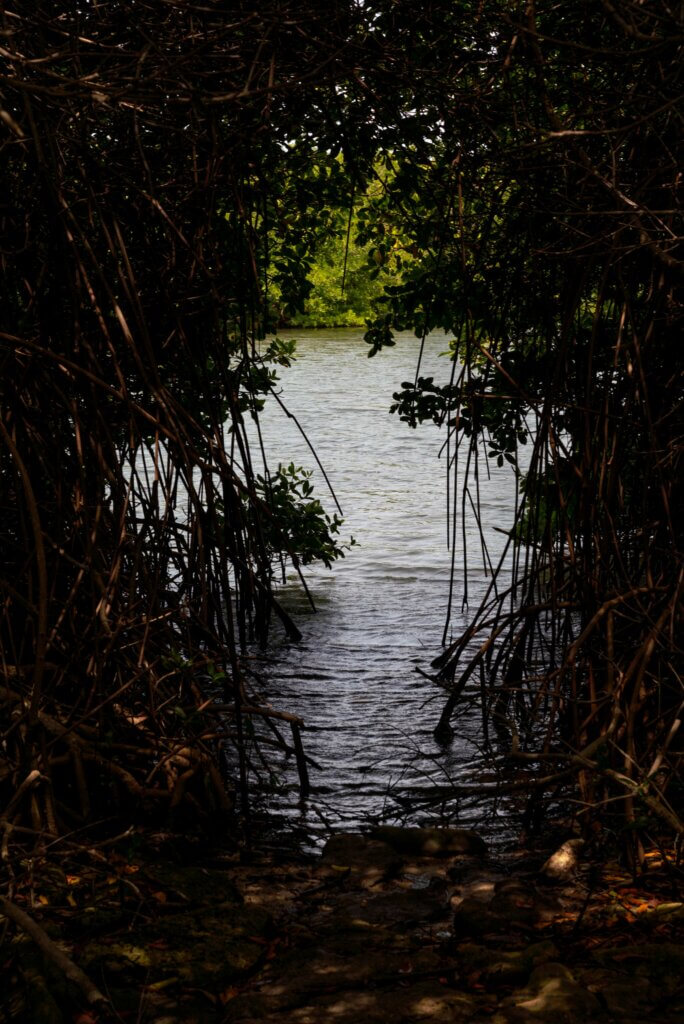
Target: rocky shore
(394, 927)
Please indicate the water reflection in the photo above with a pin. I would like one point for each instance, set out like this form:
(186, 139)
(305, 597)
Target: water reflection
(380, 612)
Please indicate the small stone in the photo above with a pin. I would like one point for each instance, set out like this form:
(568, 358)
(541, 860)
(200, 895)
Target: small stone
(562, 865)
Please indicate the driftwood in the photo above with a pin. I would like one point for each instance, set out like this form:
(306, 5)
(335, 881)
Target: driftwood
(52, 952)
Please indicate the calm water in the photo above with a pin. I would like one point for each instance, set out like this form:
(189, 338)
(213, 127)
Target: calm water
(380, 611)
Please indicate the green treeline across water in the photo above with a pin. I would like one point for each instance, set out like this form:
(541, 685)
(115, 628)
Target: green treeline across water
(351, 263)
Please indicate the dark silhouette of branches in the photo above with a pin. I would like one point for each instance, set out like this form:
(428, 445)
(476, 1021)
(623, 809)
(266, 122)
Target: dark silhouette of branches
(158, 164)
(561, 278)
(137, 145)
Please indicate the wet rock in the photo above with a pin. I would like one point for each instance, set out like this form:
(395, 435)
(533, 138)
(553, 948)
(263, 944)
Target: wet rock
(552, 994)
(398, 909)
(500, 967)
(561, 867)
(491, 905)
(662, 963)
(625, 995)
(473, 919)
(194, 885)
(425, 1002)
(342, 936)
(100, 920)
(431, 842)
(474, 881)
(517, 900)
(368, 861)
(307, 975)
(203, 948)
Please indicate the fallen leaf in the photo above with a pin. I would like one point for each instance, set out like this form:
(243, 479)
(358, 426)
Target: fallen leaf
(228, 994)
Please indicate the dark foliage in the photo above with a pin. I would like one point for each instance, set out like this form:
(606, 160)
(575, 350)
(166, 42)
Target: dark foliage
(157, 163)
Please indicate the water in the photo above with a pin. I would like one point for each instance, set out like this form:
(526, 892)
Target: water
(380, 612)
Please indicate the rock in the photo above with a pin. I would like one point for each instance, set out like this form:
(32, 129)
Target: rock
(662, 962)
(473, 918)
(517, 900)
(492, 905)
(552, 994)
(194, 885)
(397, 909)
(472, 878)
(201, 948)
(431, 842)
(423, 1001)
(503, 967)
(369, 861)
(627, 996)
(562, 865)
(308, 974)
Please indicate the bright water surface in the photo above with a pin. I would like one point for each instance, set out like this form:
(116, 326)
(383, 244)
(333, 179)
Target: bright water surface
(381, 610)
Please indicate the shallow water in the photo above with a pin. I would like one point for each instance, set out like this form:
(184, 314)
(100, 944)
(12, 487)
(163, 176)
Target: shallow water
(380, 612)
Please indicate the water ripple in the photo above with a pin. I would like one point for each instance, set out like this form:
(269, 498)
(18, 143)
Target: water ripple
(381, 610)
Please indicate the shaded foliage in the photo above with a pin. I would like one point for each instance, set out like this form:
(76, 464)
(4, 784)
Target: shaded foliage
(551, 246)
(164, 176)
(142, 157)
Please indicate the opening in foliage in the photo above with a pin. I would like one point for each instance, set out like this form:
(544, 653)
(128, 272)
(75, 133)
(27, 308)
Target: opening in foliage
(166, 175)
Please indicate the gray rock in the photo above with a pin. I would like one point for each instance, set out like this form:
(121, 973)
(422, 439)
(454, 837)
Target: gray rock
(431, 842)
(367, 860)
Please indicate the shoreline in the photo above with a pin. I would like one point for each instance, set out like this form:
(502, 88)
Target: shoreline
(371, 931)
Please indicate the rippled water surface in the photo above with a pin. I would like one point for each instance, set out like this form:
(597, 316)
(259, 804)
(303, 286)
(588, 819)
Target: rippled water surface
(380, 611)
